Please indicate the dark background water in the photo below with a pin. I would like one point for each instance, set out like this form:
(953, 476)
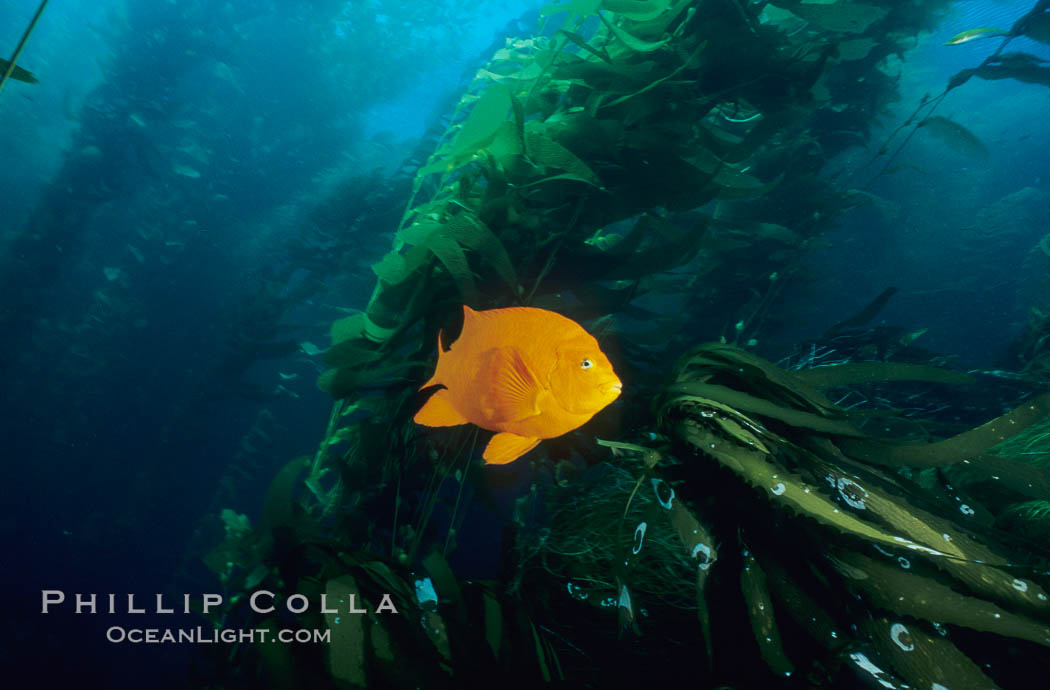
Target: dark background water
(163, 256)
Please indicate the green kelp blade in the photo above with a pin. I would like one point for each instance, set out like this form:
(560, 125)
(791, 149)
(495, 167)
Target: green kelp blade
(895, 588)
(435, 236)
(924, 661)
(18, 73)
(974, 34)
(699, 543)
(473, 234)
(786, 488)
(763, 622)
(636, 44)
(956, 136)
(543, 151)
(487, 115)
(968, 444)
(853, 373)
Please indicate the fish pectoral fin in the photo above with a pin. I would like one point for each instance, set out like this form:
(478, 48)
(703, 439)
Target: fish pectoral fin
(438, 411)
(513, 391)
(506, 447)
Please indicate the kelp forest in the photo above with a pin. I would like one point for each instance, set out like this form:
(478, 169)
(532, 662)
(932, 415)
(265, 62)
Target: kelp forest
(821, 518)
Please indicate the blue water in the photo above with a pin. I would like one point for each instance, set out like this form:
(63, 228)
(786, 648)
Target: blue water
(194, 138)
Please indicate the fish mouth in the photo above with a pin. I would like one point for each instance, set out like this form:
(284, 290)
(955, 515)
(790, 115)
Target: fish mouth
(616, 388)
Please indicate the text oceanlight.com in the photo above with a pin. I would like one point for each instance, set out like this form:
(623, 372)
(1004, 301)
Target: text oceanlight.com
(203, 635)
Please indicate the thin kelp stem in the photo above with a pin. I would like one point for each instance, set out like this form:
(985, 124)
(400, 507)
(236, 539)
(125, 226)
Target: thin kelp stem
(22, 44)
(459, 494)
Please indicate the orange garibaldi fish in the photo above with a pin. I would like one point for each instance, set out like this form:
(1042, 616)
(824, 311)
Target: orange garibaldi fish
(526, 373)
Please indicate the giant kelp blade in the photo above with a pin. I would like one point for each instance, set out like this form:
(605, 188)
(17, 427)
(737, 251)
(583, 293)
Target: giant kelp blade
(763, 620)
(956, 136)
(923, 660)
(957, 448)
(896, 589)
(18, 73)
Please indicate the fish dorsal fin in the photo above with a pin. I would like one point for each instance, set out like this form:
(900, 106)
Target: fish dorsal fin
(505, 447)
(438, 411)
(512, 391)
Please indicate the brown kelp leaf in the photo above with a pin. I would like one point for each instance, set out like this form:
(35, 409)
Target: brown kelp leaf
(956, 136)
(923, 660)
(763, 622)
(787, 488)
(956, 449)
(866, 372)
(895, 588)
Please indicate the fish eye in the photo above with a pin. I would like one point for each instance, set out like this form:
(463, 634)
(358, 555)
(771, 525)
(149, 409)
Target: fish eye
(586, 364)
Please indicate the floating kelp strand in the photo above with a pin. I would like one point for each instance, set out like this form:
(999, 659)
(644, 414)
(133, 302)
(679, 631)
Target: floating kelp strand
(956, 449)
(763, 622)
(906, 593)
